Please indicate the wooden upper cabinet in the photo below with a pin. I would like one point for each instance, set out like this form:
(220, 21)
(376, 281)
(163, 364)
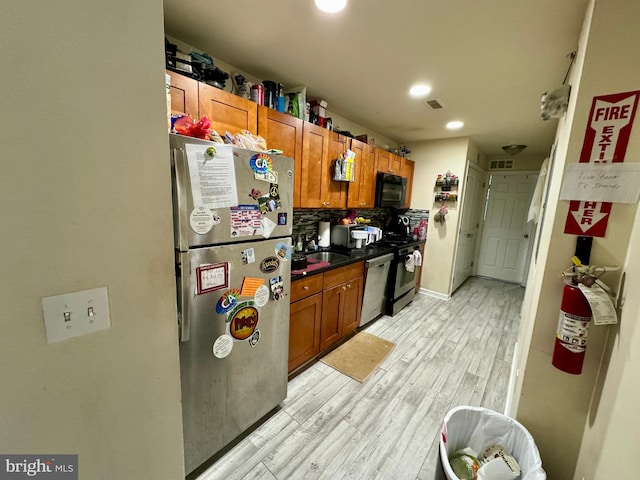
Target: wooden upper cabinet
(361, 193)
(388, 162)
(184, 94)
(395, 164)
(315, 154)
(227, 112)
(336, 190)
(408, 167)
(283, 132)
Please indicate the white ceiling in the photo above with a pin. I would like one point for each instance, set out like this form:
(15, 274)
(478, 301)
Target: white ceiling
(487, 61)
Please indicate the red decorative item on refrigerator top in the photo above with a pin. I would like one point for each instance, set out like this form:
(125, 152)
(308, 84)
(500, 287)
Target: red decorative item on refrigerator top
(186, 126)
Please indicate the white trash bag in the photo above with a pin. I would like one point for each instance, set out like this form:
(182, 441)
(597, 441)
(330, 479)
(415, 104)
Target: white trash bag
(478, 428)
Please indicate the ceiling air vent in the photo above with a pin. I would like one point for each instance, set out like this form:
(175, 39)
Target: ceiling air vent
(501, 165)
(435, 104)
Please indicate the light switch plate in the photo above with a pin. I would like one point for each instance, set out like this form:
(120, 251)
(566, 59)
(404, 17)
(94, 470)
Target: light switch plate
(75, 314)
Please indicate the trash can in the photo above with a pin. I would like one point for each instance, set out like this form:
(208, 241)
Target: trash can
(479, 428)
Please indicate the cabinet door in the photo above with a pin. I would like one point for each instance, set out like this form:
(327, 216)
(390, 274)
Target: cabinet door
(352, 305)
(315, 152)
(408, 167)
(361, 193)
(383, 160)
(331, 329)
(336, 191)
(283, 132)
(227, 112)
(304, 330)
(395, 164)
(184, 94)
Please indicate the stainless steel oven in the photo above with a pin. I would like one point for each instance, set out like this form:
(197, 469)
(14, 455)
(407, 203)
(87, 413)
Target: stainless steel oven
(402, 288)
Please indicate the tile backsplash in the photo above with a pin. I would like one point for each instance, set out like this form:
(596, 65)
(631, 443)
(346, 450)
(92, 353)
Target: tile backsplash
(305, 221)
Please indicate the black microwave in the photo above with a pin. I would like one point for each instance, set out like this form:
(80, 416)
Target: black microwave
(390, 190)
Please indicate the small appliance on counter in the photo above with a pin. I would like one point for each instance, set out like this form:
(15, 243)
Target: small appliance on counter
(361, 238)
(341, 235)
(375, 234)
(402, 225)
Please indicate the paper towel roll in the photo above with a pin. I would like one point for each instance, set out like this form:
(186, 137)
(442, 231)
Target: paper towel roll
(324, 231)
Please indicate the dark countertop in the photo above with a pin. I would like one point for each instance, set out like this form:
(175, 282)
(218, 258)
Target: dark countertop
(354, 255)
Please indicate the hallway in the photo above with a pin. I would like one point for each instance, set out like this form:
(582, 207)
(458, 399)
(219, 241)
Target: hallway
(448, 353)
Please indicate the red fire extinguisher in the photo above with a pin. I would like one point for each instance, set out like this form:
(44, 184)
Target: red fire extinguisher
(573, 328)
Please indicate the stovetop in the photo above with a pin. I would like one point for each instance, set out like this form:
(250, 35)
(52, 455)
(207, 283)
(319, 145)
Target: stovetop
(396, 240)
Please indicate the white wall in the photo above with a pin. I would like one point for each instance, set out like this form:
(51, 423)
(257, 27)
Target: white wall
(433, 158)
(567, 413)
(86, 203)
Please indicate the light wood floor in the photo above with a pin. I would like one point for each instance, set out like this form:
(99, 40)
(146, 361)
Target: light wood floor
(448, 353)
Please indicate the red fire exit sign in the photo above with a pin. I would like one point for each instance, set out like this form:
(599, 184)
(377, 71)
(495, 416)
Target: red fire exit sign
(605, 140)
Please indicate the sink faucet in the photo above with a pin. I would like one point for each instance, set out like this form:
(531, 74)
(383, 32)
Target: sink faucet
(309, 243)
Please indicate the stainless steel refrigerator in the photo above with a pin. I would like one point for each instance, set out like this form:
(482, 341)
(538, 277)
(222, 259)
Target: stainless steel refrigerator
(232, 218)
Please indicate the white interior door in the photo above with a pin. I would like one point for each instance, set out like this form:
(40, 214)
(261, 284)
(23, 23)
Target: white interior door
(506, 233)
(471, 216)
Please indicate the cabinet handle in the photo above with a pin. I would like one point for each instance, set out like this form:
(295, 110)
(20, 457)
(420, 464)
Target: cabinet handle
(348, 285)
(306, 287)
(344, 288)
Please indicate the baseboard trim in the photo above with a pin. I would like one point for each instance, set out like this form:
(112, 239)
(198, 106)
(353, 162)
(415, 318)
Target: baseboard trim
(431, 293)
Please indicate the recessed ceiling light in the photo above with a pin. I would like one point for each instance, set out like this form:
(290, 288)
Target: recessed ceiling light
(419, 90)
(331, 6)
(455, 125)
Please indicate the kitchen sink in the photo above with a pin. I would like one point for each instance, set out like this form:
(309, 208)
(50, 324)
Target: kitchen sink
(330, 257)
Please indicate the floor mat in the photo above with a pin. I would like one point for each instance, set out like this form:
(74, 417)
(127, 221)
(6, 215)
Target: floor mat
(359, 357)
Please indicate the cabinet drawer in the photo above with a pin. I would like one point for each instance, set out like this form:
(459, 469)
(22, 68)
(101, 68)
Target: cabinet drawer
(306, 286)
(343, 274)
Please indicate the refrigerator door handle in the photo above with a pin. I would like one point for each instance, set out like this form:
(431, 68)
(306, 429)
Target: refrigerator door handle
(184, 329)
(181, 183)
(184, 316)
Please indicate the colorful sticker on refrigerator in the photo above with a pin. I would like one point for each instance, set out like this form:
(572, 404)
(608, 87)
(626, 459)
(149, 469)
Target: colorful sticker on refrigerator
(267, 227)
(255, 194)
(213, 179)
(227, 301)
(261, 297)
(282, 219)
(250, 285)
(255, 338)
(243, 321)
(271, 177)
(283, 251)
(269, 264)
(212, 277)
(261, 163)
(222, 346)
(201, 220)
(246, 221)
(274, 195)
(248, 256)
(277, 288)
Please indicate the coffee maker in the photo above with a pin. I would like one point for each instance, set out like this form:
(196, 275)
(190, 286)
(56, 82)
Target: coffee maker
(402, 226)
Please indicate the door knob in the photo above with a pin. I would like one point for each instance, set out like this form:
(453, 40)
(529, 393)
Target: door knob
(526, 235)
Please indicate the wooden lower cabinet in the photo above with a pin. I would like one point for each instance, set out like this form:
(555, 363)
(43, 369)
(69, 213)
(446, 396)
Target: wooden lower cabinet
(341, 306)
(341, 303)
(319, 319)
(304, 330)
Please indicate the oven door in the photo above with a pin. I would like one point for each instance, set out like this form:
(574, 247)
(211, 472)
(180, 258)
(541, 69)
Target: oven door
(405, 280)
